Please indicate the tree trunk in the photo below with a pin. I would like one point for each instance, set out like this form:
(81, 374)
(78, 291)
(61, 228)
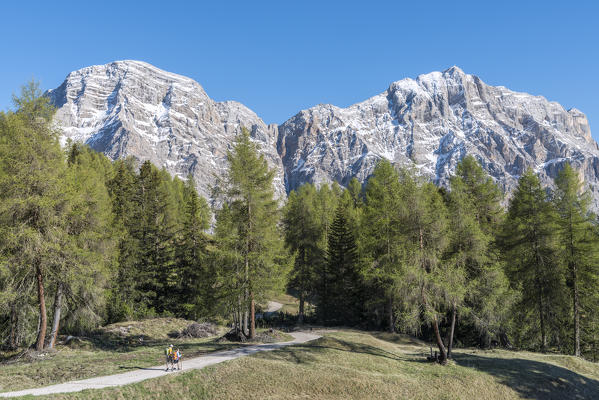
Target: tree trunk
(542, 320)
(246, 296)
(594, 347)
(576, 313)
(540, 265)
(440, 345)
(56, 318)
(42, 309)
(575, 305)
(252, 316)
(14, 320)
(391, 320)
(300, 316)
(239, 326)
(451, 331)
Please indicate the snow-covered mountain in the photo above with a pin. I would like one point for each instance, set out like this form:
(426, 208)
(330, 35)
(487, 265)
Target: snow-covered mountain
(432, 122)
(132, 108)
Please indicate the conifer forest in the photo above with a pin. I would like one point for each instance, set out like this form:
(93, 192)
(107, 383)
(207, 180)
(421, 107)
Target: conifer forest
(86, 241)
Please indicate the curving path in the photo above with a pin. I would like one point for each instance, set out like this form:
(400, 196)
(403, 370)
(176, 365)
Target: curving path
(142, 374)
(273, 306)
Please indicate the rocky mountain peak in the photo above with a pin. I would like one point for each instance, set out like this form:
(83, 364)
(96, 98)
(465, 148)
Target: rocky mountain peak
(130, 108)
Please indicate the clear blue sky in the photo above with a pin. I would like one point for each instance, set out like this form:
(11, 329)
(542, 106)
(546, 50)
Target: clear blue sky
(278, 57)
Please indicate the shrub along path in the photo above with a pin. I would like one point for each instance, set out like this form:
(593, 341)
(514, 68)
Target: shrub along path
(157, 371)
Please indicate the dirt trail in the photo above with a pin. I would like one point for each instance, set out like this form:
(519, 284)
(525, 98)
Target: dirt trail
(154, 372)
(273, 306)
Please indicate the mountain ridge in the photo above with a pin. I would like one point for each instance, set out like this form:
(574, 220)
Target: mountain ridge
(130, 107)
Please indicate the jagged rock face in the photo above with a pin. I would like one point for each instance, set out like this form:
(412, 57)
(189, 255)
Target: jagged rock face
(130, 108)
(431, 123)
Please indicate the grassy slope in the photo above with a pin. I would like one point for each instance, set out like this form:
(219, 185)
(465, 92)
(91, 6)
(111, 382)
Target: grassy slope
(115, 349)
(353, 365)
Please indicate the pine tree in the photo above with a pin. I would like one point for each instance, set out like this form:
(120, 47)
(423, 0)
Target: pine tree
(475, 211)
(427, 282)
(382, 228)
(303, 237)
(192, 273)
(123, 302)
(530, 243)
(249, 195)
(31, 197)
(483, 194)
(229, 282)
(578, 243)
(340, 298)
(86, 250)
(154, 232)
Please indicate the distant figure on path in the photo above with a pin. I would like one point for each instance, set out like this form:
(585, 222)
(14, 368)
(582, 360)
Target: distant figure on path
(177, 360)
(169, 357)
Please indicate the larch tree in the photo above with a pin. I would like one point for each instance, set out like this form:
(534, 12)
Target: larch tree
(85, 253)
(382, 234)
(255, 215)
(530, 247)
(578, 248)
(32, 200)
(303, 237)
(229, 282)
(475, 213)
(427, 283)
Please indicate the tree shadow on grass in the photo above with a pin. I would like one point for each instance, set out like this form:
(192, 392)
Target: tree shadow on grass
(533, 379)
(112, 342)
(137, 367)
(304, 353)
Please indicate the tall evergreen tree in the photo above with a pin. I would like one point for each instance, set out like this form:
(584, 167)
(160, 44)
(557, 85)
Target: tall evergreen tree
(340, 299)
(123, 302)
(427, 283)
(303, 237)
(475, 212)
(249, 195)
(154, 232)
(192, 264)
(229, 285)
(578, 243)
(382, 230)
(32, 200)
(530, 244)
(86, 252)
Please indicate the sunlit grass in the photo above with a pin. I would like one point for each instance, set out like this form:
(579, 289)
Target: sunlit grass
(357, 365)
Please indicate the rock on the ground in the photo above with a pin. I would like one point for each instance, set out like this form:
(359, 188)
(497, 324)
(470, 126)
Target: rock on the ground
(198, 330)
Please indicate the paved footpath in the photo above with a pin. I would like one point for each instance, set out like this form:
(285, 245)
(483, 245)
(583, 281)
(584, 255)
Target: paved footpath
(142, 374)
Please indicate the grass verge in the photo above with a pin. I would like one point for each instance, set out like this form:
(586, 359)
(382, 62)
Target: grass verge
(356, 365)
(112, 349)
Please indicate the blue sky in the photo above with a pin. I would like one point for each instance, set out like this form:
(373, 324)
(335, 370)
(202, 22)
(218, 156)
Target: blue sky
(278, 57)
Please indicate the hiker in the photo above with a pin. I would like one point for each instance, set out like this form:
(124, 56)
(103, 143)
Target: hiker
(169, 357)
(177, 360)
